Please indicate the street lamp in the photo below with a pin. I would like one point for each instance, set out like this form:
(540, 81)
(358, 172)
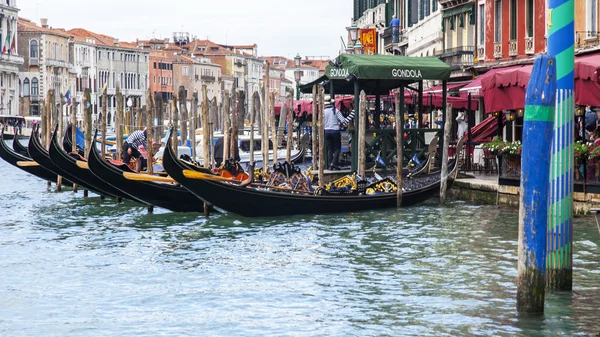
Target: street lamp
(297, 61)
(350, 50)
(298, 77)
(358, 48)
(353, 30)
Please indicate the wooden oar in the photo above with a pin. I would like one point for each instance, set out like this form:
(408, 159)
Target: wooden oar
(190, 174)
(147, 177)
(27, 164)
(82, 165)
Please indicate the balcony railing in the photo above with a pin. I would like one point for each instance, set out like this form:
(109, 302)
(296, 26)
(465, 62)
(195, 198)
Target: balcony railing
(481, 53)
(498, 50)
(586, 39)
(513, 49)
(34, 61)
(207, 78)
(457, 58)
(388, 37)
(529, 49)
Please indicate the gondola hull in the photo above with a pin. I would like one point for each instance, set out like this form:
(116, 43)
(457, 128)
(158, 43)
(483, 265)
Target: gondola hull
(171, 197)
(252, 202)
(19, 148)
(39, 171)
(69, 165)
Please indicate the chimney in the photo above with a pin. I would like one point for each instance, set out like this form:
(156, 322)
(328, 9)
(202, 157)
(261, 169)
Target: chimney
(116, 42)
(178, 57)
(44, 22)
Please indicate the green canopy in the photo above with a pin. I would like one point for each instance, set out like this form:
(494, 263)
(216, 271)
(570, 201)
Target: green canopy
(380, 73)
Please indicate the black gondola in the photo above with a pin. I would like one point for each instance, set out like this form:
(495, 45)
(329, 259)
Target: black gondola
(19, 148)
(69, 165)
(253, 202)
(37, 170)
(172, 197)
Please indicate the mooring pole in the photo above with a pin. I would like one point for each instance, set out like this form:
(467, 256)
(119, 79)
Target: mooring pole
(103, 122)
(399, 144)
(235, 101)
(118, 123)
(205, 128)
(183, 111)
(447, 113)
(561, 39)
(273, 127)
(87, 108)
(320, 114)
(255, 112)
(226, 121)
(175, 123)
(73, 131)
(149, 133)
(194, 123)
(535, 170)
(315, 143)
(288, 125)
(362, 126)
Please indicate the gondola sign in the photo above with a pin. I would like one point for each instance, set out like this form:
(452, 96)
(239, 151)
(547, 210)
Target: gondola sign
(338, 73)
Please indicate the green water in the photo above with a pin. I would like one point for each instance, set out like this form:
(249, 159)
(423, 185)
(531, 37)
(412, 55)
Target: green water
(87, 267)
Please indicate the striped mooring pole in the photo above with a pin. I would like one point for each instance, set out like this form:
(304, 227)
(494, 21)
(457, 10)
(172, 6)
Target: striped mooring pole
(538, 127)
(561, 39)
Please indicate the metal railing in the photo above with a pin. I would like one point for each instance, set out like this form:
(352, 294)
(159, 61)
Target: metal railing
(388, 36)
(457, 57)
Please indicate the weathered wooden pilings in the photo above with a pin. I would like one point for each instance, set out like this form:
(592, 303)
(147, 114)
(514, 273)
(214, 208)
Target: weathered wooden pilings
(60, 134)
(282, 122)
(174, 121)
(361, 134)
(399, 143)
(194, 123)
(273, 127)
(444, 173)
(183, 111)
(119, 122)
(561, 39)
(226, 121)
(205, 128)
(255, 112)
(535, 171)
(315, 140)
(287, 125)
(265, 127)
(73, 131)
(234, 123)
(103, 122)
(149, 132)
(214, 123)
(321, 126)
(87, 108)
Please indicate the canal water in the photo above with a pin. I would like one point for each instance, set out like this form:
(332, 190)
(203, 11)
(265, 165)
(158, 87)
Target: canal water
(88, 267)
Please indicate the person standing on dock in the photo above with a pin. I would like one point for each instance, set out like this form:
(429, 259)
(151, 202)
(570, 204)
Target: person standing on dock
(461, 120)
(333, 136)
(131, 145)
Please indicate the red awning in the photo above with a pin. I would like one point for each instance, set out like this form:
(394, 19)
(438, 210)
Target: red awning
(505, 89)
(450, 86)
(587, 87)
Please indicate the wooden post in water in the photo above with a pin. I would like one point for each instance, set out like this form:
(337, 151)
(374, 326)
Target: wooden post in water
(561, 40)
(183, 111)
(205, 129)
(534, 192)
(141, 112)
(60, 115)
(226, 119)
(362, 121)
(214, 114)
(119, 122)
(150, 134)
(273, 127)
(315, 140)
(446, 145)
(282, 122)
(253, 114)
(127, 122)
(43, 122)
(48, 119)
(158, 118)
(321, 126)
(194, 123)
(175, 123)
(399, 144)
(265, 127)
(104, 119)
(87, 108)
(290, 130)
(234, 123)
(73, 116)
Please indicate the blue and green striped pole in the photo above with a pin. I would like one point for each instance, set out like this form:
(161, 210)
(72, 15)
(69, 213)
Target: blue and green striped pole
(561, 39)
(538, 127)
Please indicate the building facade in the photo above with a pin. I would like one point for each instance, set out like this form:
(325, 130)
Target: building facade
(161, 73)
(193, 73)
(459, 29)
(46, 63)
(119, 64)
(10, 61)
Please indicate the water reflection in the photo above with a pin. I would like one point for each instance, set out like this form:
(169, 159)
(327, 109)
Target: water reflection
(113, 269)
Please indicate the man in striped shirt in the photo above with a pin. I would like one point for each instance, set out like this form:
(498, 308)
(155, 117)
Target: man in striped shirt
(333, 136)
(131, 145)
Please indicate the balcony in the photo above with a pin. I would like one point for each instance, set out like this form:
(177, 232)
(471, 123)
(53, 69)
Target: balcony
(513, 48)
(498, 50)
(34, 98)
(481, 53)
(57, 63)
(388, 41)
(586, 39)
(457, 58)
(529, 49)
(207, 78)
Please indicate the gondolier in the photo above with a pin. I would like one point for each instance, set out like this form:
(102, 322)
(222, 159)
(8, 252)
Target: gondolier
(333, 137)
(131, 145)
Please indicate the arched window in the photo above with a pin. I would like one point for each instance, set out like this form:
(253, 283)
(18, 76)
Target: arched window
(33, 49)
(26, 88)
(35, 87)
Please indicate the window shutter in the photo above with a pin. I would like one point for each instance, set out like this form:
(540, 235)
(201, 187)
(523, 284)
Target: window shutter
(451, 22)
(461, 20)
(472, 15)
